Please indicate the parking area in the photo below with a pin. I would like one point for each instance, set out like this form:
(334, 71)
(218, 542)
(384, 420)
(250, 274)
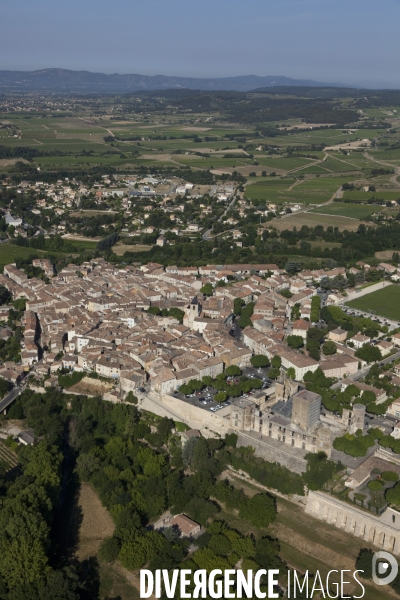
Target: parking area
(205, 398)
(352, 312)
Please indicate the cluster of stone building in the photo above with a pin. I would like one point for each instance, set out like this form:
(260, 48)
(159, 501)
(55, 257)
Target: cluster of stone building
(97, 315)
(293, 417)
(66, 195)
(97, 318)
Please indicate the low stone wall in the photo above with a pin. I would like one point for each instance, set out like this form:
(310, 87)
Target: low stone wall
(274, 451)
(383, 531)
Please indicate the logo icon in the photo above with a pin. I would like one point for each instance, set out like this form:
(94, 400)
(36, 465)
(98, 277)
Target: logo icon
(381, 562)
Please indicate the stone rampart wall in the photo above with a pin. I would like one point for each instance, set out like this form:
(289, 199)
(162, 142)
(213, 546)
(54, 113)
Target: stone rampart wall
(273, 453)
(383, 532)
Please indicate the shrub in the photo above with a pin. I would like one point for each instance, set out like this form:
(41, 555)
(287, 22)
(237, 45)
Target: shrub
(259, 360)
(329, 348)
(352, 445)
(233, 371)
(393, 495)
(295, 341)
(276, 362)
(231, 440)
(67, 381)
(375, 485)
(390, 476)
(109, 549)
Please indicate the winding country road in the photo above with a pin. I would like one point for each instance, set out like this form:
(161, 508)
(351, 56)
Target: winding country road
(393, 179)
(207, 234)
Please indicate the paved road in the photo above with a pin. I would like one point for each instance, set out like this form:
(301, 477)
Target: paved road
(382, 162)
(9, 398)
(207, 234)
(363, 372)
(368, 290)
(385, 361)
(337, 194)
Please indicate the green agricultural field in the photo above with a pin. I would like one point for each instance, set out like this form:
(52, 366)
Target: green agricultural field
(314, 169)
(384, 155)
(324, 245)
(84, 244)
(272, 191)
(355, 160)
(385, 302)
(113, 159)
(309, 191)
(365, 196)
(9, 253)
(212, 162)
(284, 164)
(312, 219)
(338, 165)
(84, 127)
(354, 211)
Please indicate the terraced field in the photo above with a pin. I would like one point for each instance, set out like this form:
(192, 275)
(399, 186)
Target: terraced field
(8, 458)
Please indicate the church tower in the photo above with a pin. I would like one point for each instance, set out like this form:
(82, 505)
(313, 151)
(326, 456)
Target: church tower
(192, 312)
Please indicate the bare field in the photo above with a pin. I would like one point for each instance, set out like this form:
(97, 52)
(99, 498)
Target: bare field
(91, 386)
(302, 125)
(195, 128)
(80, 238)
(161, 157)
(120, 249)
(313, 219)
(350, 145)
(96, 524)
(8, 162)
(385, 254)
(248, 169)
(91, 213)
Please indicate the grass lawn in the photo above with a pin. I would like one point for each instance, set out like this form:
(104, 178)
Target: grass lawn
(385, 302)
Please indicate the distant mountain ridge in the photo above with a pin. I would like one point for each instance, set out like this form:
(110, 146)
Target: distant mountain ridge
(64, 80)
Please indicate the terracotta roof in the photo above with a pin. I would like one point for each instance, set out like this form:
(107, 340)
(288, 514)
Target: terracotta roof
(185, 524)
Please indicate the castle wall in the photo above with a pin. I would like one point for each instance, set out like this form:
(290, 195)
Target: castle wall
(274, 451)
(383, 531)
(178, 410)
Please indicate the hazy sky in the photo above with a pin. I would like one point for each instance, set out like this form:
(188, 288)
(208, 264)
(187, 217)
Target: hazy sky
(346, 41)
